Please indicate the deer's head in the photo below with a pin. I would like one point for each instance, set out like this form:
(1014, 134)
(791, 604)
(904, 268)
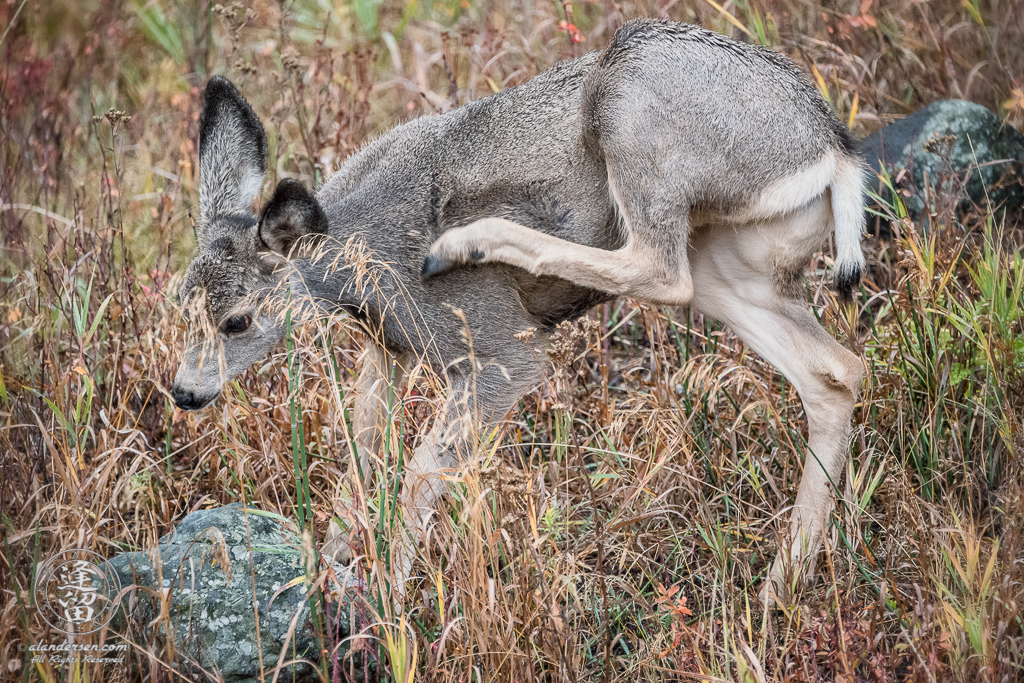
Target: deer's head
(232, 293)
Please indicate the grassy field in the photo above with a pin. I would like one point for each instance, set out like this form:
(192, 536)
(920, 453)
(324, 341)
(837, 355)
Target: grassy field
(621, 525)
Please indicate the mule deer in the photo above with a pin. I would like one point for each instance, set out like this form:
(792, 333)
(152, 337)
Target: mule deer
(676, 166)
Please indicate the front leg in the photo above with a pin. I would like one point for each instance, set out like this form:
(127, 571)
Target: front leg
(375, 394)
(423, 485)
(373, 391)
(471, 410)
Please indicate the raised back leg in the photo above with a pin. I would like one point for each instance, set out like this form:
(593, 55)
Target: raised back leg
(647, 188)
(630, 271)
(751, 278)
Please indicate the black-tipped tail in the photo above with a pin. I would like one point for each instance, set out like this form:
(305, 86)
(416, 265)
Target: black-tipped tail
(847, 188)
(847, 281)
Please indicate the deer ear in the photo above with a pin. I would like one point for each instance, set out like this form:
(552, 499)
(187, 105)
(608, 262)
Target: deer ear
(291, 214)
(232, 152)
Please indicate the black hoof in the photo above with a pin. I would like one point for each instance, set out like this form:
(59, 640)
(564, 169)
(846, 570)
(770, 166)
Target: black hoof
(435, 265)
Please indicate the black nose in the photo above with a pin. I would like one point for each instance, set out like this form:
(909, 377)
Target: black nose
(186, 400)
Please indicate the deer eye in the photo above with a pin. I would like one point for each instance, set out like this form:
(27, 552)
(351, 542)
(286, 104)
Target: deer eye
(236, 325)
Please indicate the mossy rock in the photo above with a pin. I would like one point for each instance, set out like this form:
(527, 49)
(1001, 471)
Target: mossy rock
(943, 144)
(220, 568)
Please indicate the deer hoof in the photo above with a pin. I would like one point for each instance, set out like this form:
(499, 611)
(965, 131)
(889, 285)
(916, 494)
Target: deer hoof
(435, 265)
(337, 545)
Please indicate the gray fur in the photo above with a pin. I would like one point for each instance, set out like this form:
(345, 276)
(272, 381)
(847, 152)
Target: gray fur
(657, 111)
(232, 156)
(617, 147)
(230, 276)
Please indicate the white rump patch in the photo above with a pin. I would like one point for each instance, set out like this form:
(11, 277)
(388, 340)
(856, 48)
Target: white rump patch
(791, 192)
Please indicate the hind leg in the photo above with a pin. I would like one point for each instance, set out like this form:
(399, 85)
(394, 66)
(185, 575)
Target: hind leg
(649, 193)
(747, 278)
(631, 271)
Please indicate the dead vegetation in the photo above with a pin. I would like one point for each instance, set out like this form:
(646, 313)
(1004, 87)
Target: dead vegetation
(620, 526)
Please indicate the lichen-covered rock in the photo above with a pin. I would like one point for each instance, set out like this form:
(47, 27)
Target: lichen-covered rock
(947, 142)
(216, 571)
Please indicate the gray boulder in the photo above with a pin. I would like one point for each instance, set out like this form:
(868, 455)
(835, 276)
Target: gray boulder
(219, 568)
(960, 147)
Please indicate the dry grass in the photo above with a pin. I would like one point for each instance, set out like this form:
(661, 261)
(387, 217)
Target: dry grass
(619, 528)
